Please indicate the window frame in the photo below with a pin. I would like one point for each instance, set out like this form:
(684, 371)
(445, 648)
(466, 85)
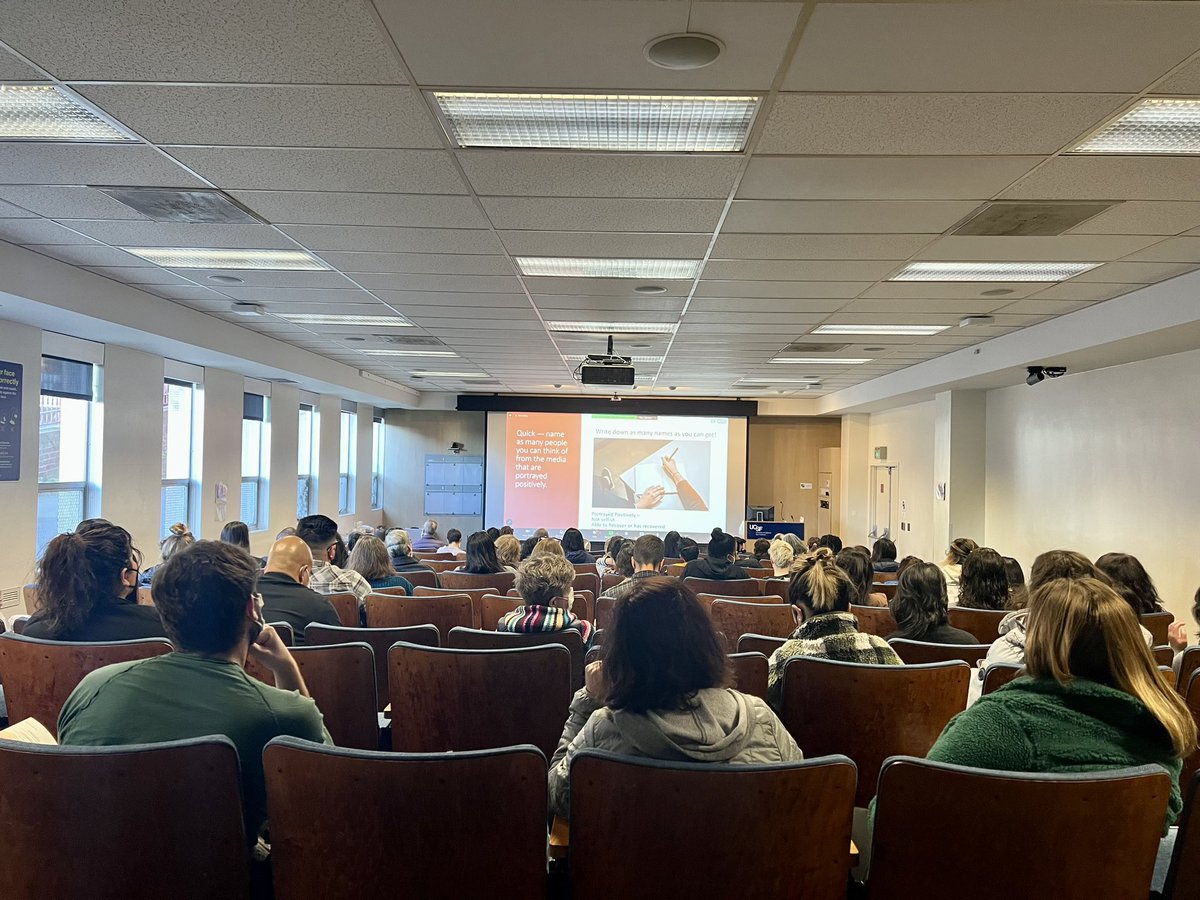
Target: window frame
(88, 490)
(347, 450)
(377, 450)
(307, 480)
(190, 482)
(261, 480)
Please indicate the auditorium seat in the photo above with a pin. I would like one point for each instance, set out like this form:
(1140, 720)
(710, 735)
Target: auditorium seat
(1157, 623)
(443, 611)
(496, 582)
(38, 676)
(916, 652)
(586, 581)
(750, 673)
(345, 604)
(285, 632)
(643, 828)
(29, 595)
(478, 639)
(707, 599)
(136, 822)
(997, 675)
(437, 566)
(144, 597)
(1191, 697)
(1074, 836)
(1164, 656)
(734, 618)
(424, 555)
(478, 699)
(379, 639)
(734, 587)
(421, 578)
(1183, 878)
(1189, 664)
(345, 823)
(391, 591)
(18, 624)
(759, 643)
(341, 680)
(610, 580)
(492, 608)
(586, 568)
(876, 620)
(604, 612)
(888, 590)
(882, 711)
(476, 595)
(983, 623)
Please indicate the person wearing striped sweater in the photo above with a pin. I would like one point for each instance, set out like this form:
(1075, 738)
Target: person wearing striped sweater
(544, 583)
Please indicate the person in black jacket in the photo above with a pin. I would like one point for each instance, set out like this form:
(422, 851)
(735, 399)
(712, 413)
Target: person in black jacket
(920, 605)
(573, 546)
(284, 588)
(399, 546)
(718, 565)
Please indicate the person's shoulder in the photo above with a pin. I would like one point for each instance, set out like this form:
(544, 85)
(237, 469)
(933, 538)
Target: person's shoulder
(94, 681)
(291, 709)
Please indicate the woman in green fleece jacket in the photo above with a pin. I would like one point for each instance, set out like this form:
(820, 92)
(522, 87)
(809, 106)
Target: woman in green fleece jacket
(1093, 698)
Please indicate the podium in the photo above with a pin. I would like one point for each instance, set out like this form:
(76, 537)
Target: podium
(755, 530)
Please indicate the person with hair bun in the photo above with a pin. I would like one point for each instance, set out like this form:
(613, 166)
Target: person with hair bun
(951, 566)
(820, 594)
(87, 588)
(180, 536)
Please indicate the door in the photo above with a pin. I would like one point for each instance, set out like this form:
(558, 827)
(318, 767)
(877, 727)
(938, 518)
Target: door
(884, 490)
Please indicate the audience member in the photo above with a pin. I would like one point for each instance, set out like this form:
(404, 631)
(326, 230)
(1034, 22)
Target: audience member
(920, 608)
(453, 543)
(782, 556)
(399, 547)
(351, 543)
(1094, 699)
(544, 583)
(608, 563)
(87, 588)
(960, 549)
(718, 565)
(812, 543)
(661, 693)
(430, 540)
(1131, 580)
(283, 586)
(493, 533)
(1018, 594)
(505, 529)
(832, 541)
(341, 555)
(741, 557)
(541, 534)
(481, 556)
(821, 594)
(762, 550)
(289, 531)
(321, 535)
(688, 549)
(1177, 633)
(625, 560)
(206, 596)
(508, 552)
(856, 563)
(671, 545)
(983, 580)
(372, 561)
(575, 548)
(548, 547)
(798, 545)
(646, 554)
(908, 561)
(527, 546)
(883, 556)
(178, 538)
(238, 534)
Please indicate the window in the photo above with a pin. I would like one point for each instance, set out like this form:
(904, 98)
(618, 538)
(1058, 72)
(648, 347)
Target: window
(178, 492)
(377, 462)
(256, 449)
(306, 468)
(68, 427)
(348, 448)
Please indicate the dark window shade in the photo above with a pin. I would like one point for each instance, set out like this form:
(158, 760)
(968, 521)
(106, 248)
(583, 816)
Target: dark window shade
(66, 378)
(349, 406)
(254, 407)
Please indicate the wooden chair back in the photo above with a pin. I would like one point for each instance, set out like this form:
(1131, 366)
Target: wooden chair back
(610, 580)
(496, 583)
(1157, 623)
(759, 643)
(421, 577)
(391, 591)
(426, 554)
(604, 612)
(586, 581)
(1183, 877)
(38, 676)
(285, 632)
(473, 639)
(380, 641)
(476, 595)
(896, 710)
(29, 596)
(876, 620)
(438, 566)
(735, 587)
(707, 599)
(478, 699)
(1164, 656)
(983, 623)
(594, 655)
(138, 822)
(1188, 664)
(492, 609)
(444, 612)
(341, 680)
(916, 652)
(672, 561)
(734, 618)
(997, 675)
(18, 624)
(586, 568)
(339, 826)
(675, 569)
(1099, 811)
(750, 673)
(345, 604)
(800, 840)
(888, 590)
(1191, 696)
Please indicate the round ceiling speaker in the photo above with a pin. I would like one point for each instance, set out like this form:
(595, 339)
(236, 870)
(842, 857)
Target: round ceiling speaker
(684, 51)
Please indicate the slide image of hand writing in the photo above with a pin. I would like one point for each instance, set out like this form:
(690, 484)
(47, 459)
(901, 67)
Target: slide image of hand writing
(645, 473)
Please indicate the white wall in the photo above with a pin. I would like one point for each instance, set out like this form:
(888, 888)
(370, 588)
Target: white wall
(908, 433)
(1098, 462)
(18, 499)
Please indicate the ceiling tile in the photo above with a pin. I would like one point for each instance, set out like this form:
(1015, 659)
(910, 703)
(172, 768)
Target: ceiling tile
(139, 274)
(882, 177)
(1038, 306)
(764, 304)
(799, 270)
(170, 234)
(271, 278)
(979, 306)
(555, 214)
(68, 202)
(8, 211)
(381, 171)
(1179, 249)
(271, 115)
(410, 240)
(990, 47)
(1084, 291)
(190, 292)
(1143, 217)
(845, 216)
(88, 255)
(267, 41)
(450, 299)
(39, 231)
(1112, 178)
(419, 263)
(921, 290)
(931, 124)
(640, 245)
(779, 318)
(289, 296)
(819, 246)
(551, 304)
(605, 287)
(785, 290)
(12, 69)
(360, 209)
(1061, 248)
(33, 163)
(1135, 272)
(1185, 81)
(501, 284)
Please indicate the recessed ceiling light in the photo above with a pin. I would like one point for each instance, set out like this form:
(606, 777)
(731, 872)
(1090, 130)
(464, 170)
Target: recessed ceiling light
(206, 258)
(225, 279)
(636, 359)
(424, 374)
(992, 271)
(443, 353)
(1152, 125)
(323, 319)
(817, 361)
(770, 380)
(48, 113)
(582, 267)
(247, 309)
(650, 289)
(613, 327)
(630, 122)
(880, 329)
(683, 51)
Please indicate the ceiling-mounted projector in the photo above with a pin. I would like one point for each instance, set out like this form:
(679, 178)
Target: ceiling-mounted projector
(606, 369)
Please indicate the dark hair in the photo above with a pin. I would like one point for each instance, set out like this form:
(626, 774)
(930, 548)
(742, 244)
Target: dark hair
(1131, 580)
(688, 549)
(1061, 564)
(648, 551)
(671, 545)
(661, 648)
(80, 569)
(506, 529)
(625, 559)
(352, 541)
(857, 566)
(920, 603)
(818, 585)
(201, 594)
(453, 536)
(1018, 594)
(493, 533)
(341, 556)
(613, 545)
(572, 540)
(720, 545)
(762, 549)
(906, 562)
(883, 550)
(960, 549)
(319, 532)
(481, 555)
(238, 534)
(527, 546)
(983, 583)
(832, 541)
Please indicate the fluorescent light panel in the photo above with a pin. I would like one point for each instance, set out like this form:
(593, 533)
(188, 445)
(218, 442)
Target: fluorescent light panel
(628, 122)
(443, 353)
(1152, 125)
(768, 380)
(323, 319)
(818, 361)
(583, 267)
(992, 271)
(612, 327)
(48, 113)
(424, 374)
(206, 258)
(880, 329)
(635, 359)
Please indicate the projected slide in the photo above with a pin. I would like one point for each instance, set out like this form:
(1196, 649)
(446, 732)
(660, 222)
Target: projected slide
(604, 474)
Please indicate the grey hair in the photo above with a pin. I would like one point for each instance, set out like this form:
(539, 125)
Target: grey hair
(398, 538)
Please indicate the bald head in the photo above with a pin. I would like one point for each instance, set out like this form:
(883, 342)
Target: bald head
(292, 557)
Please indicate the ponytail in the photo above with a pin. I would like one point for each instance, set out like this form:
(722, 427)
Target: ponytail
(80, 568)
(818, 583)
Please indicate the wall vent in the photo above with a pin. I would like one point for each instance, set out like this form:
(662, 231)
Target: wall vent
(10, 597)
(1028, 219)
(408, 340)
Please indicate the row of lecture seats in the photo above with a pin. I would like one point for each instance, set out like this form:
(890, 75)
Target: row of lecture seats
(347, 823)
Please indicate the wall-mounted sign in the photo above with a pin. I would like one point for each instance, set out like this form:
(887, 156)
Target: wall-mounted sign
(12, 385)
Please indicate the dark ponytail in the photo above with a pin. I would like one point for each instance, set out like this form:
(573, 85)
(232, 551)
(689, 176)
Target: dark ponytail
(79, 569)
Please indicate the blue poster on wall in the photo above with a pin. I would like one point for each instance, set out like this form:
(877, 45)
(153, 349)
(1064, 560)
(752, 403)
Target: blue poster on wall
(11, 388)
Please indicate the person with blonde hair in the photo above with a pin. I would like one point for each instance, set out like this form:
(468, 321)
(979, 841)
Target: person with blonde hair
(549, 547)
(544, 583)
(179, 537)
(782, 555)
(1093, 698)
(508, 552)
(371, 560)
(956, 555)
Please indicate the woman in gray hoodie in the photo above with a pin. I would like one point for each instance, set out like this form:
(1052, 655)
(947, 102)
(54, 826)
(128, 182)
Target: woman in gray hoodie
(661, 693)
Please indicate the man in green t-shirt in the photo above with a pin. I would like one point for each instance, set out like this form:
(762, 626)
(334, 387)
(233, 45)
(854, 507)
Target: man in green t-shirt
(205, 595)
